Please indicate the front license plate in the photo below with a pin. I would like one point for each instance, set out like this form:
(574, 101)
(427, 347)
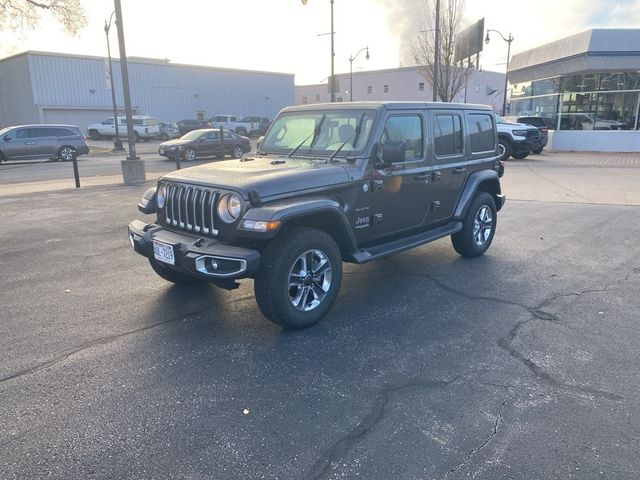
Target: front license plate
(163, 252)
(161, 151)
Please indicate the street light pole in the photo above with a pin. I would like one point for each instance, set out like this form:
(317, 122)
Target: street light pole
(132, 168)
(508, 40)
(117, 143)
(436, 56)
(351, 59)
(332, 77)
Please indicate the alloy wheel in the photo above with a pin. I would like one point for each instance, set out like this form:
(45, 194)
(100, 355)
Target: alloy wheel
(482, 225)
(309, 280)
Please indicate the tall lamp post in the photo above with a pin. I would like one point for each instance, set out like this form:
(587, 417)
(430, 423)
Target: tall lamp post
(351, 59)
(508, 40)
(332, 77)
(436, 56)
(117, 143)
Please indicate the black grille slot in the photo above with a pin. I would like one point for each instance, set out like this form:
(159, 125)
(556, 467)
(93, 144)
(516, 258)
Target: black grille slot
(191, 208)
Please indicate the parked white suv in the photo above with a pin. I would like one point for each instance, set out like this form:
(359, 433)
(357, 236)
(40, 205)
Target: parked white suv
(144, 127)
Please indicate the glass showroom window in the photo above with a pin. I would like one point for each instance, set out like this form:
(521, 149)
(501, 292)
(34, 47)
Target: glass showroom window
(617, 111)
(545, 107)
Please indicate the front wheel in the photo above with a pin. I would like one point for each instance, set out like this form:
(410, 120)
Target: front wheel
(520, 156)
(478, 227)
(67, 154)
(95, 135)
(299, 277)
(238, 152)
(537, 151)
(189, 154)
(504, 149)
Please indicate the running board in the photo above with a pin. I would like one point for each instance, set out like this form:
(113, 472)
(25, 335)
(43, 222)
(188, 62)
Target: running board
(369, 254)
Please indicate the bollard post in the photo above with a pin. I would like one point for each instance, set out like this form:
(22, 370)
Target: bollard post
(178, 160)
(76, 175)
(222, 143)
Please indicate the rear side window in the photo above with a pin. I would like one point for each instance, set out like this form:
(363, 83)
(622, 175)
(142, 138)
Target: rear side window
(448, 135)
(481, 133)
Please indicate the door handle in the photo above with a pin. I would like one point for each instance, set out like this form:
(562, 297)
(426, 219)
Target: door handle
(29, 143)
(459, 170)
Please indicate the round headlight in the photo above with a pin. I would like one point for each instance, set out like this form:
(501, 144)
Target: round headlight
(230, 207)
(161, 196)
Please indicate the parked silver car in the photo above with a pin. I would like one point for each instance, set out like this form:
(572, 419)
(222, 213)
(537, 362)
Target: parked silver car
(168, 131)
(42, 141)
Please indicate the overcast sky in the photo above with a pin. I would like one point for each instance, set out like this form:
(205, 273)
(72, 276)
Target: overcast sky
(283, 35)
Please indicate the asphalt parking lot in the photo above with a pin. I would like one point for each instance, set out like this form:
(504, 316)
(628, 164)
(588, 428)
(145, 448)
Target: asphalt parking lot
(520, 364)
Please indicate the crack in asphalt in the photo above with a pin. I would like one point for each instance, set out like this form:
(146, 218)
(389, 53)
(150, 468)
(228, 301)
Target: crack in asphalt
(483, 445)
(537, 313)
(65, 354)
(369, 422)
(558, 185)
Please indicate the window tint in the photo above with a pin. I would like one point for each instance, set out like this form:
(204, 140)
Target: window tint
(21, 134)
(406, 128)
(481, 133)
(447, 135)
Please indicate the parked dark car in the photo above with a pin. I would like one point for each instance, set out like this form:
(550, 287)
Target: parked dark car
(542, 126)
(186, 126)
(169, 130)
(205, 143)
(62, 142)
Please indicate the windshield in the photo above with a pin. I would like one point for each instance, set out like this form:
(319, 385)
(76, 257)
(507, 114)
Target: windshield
(320, 132)
(192, 135)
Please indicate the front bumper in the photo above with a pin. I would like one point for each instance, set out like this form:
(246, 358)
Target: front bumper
(521, 147)
(200, 257)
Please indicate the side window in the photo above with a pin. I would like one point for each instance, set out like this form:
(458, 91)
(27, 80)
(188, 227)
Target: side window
(40, 132)
(447, 133)
(481, 133)
(108, 121)
(407, 129)
(21, 134)
(233, 119)
(227, 136)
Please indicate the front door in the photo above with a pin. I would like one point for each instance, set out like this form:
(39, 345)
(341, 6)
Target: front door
(17, 144)
(209, 144)
(401, 191)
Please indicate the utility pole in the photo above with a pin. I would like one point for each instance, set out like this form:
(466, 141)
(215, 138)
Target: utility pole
(436, 56)
(132, 168)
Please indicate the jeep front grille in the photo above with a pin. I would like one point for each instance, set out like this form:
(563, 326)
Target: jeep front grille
(191, 208)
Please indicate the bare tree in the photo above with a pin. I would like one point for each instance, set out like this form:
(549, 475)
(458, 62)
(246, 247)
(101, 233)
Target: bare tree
(24, 14)
(451, 79)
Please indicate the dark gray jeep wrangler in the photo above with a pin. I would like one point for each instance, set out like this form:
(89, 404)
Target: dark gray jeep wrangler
(329, 183)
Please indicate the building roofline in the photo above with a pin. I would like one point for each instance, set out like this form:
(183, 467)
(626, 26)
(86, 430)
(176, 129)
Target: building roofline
(146, 60)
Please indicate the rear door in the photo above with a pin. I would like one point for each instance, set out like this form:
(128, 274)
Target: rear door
(401, 191)
(45, 141)
(449, 161)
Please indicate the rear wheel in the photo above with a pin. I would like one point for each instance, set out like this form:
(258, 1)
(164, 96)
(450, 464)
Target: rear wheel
(299, 277)
(478, 227)
(136, 136)
(173, 276)
(164, 137)
(237, 151)
(67, 154)
(94, 135)
(537, 151)
(189, 154)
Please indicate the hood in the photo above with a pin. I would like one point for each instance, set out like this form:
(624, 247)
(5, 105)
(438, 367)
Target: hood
(175, 143)
(269, 176)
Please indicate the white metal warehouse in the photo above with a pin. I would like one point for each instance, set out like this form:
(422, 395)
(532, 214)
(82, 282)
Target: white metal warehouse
(44, 87)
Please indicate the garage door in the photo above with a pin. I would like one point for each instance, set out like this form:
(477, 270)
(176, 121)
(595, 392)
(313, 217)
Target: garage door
(80, 118)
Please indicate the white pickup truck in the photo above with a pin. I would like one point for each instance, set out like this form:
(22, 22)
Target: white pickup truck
(144, 127)
(246, 127)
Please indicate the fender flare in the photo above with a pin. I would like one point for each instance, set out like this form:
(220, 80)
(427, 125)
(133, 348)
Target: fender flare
(287, 211)
(472, 186)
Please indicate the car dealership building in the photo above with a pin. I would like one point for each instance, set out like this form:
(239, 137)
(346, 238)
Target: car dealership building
(587, 87)
(44, 87)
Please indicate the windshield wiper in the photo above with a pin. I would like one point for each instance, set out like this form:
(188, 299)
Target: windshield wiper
(339, 148)
(357, 134)
(314, 134)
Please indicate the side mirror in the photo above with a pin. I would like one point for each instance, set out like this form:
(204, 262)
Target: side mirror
(7, 137)
(259, 142)
(393, 152)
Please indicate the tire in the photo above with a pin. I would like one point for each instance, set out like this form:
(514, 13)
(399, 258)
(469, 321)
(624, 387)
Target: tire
(67, 154)
(504, 149)
(238, 152)
(136, 136)
(478, 227)
(241, 131)
(2, 159)
(537, 151)
(164, 137)
(520, 156)
(94, 135)
(189, 154)
(282, 294)
(173, 276)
